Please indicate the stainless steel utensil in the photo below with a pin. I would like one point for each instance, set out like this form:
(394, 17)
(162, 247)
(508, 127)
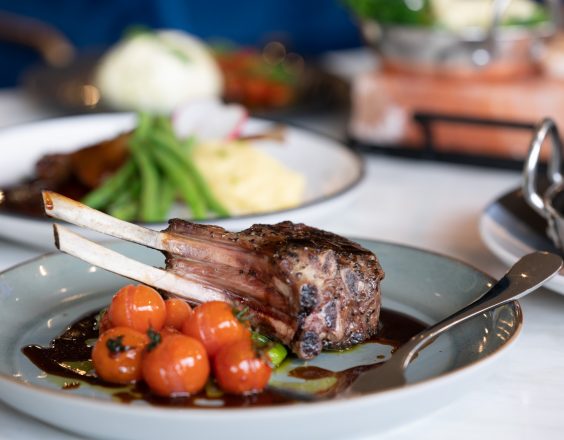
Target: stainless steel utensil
(496, 51)
(549, 205)
(528, 274)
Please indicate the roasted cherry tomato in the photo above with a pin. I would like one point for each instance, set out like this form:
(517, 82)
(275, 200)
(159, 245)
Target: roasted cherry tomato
(241, 369)
(139, 307)
(177, 366)
(177, 312)
(117, 354)
(214, 325)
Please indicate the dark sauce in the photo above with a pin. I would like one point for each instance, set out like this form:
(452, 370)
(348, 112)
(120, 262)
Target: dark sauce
(395, 330)
(71, 348)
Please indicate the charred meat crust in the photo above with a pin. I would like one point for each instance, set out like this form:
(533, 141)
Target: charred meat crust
(324, 286)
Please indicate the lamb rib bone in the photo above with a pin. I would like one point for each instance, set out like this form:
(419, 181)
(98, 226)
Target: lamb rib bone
(64, 208)
(77, 246)
(195, 251)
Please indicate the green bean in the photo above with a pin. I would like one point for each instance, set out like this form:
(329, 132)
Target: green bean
(126, 205)
(144, 124)
(100, 197)
(164, 123)
(127, 211)
(172, 147)
(149, 176)
(105, 193)
(165, 137)
(167, 196)
(149, 207)
(165, 127)
(132, 191)
(183, 181)
(160, 164)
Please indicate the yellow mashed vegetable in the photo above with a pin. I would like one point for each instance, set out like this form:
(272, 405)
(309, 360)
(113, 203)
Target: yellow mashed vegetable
(246, 180)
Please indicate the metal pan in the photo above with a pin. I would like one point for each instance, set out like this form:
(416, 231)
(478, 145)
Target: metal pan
(496, 52)
(550, 205)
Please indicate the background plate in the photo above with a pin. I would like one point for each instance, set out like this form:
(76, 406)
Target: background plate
(330, 168)
(511, 229)
(39, 298)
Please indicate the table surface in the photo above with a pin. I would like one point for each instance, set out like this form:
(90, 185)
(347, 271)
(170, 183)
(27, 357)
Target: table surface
(432, 206)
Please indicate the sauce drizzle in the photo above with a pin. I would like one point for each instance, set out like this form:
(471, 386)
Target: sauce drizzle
(68, 356)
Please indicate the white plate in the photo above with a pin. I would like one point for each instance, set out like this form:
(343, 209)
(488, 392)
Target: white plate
(331, 169)
(506, 229)
(40, 298)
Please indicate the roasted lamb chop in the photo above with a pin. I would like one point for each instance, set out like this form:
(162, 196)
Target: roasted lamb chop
(308, 288)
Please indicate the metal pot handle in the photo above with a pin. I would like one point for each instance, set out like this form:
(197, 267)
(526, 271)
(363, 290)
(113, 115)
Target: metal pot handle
(544, 128)
(54, 47)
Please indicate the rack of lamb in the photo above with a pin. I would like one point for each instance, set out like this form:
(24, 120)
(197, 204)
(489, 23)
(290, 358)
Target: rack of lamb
(308, 288)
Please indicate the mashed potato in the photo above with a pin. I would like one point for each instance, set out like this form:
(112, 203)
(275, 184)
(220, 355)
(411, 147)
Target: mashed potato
(246, 180)
(157, 71)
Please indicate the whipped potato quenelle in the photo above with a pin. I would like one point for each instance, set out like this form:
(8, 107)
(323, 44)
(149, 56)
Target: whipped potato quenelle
(157, 71)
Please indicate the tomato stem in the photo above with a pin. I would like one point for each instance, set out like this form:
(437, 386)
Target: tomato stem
(155, 339)
(116, 346)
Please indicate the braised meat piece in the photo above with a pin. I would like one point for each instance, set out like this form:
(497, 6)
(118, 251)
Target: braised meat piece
(324, 287)
(73, 174)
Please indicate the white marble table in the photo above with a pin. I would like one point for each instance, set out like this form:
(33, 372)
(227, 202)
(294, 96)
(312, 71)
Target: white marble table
(436, 207)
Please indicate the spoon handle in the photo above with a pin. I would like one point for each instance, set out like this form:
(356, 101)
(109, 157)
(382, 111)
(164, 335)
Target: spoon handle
(529, 273)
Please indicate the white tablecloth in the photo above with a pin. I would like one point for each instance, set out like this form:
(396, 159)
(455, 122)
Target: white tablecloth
(436, 207)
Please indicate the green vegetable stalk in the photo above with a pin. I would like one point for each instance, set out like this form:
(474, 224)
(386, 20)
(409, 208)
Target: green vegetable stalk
(275, 351)
(183, 181)
(105, 193)
(159, 169)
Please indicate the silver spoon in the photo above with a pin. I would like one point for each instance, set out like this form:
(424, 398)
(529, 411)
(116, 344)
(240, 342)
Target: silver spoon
(528, 274)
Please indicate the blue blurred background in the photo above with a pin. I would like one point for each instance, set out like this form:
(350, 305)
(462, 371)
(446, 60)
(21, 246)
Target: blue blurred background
(308, 27)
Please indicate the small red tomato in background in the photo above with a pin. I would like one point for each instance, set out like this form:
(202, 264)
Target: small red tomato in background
(240, 369)
(139, 307)
(118, 353)
(214, 325)
(177, 312)
(177, 366)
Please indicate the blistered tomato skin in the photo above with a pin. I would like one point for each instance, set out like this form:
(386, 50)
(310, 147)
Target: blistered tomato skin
(214, 325)
(139, 307)
(118, 354)
(167, 331)
(177, 312)
(240, 369)
(177, 366)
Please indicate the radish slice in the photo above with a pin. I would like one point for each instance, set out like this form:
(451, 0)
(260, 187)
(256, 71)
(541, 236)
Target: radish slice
(209, 120)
